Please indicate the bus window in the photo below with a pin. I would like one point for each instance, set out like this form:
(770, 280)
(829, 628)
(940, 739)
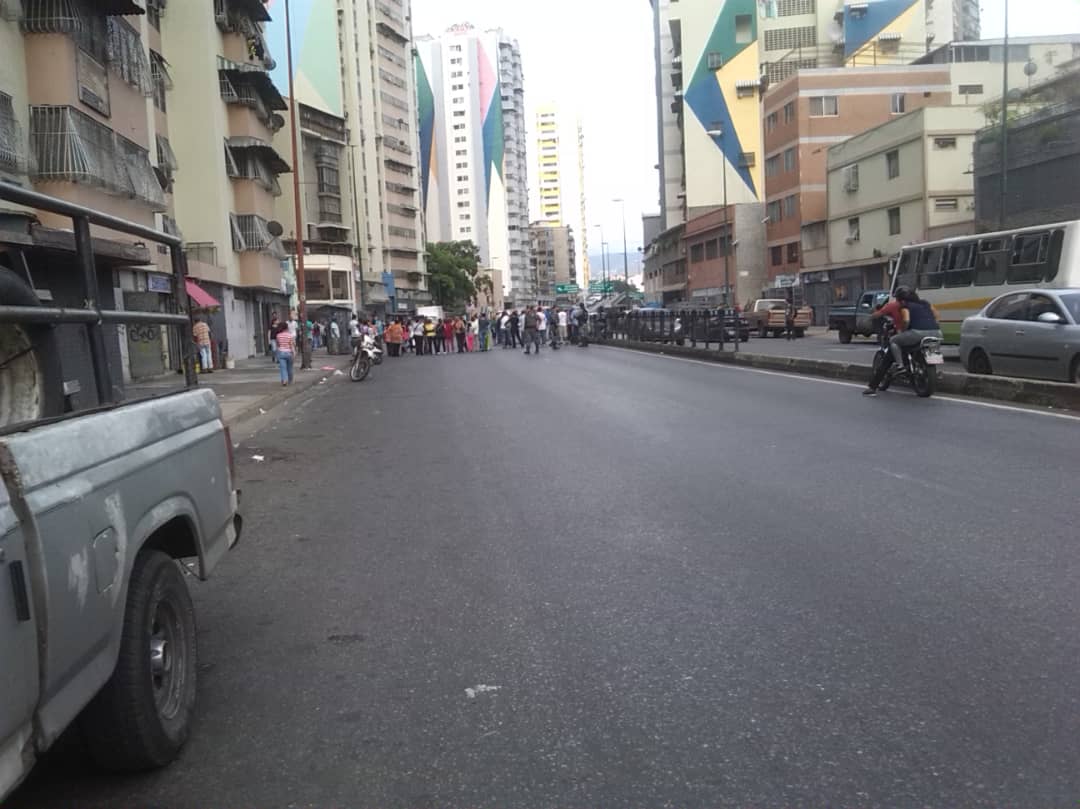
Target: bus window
(906, 266)
(960, 263)
(1053, 255)
(992, 265)
(1028, 257)
(930, 272)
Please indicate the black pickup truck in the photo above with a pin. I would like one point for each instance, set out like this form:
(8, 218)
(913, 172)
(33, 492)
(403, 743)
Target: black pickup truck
(858, 318)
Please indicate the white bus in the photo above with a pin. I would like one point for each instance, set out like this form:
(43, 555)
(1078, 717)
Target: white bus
(962, 274)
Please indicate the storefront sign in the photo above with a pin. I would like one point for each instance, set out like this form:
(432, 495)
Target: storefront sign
(816, 277)
(158, 283)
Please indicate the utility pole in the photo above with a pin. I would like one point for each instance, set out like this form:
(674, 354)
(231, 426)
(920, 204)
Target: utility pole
(298, 223)
(1004, 121)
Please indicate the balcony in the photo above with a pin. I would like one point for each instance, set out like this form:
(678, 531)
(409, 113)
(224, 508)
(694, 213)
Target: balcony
(260, 270)
(251, 85)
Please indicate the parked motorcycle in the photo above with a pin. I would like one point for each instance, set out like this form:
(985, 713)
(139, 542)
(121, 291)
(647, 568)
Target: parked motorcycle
(920, 363)
(365, 354)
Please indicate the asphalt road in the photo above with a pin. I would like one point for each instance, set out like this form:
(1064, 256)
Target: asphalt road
(605, 579)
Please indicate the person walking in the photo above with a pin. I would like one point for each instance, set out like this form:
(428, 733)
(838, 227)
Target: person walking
(286, 351)
(504, 329)
(515, 330)
(274, 321)
(200, 332)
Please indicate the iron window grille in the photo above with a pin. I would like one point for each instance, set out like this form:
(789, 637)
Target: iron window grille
(10, 10)
(126, 56)
(254, 235)
(12, 153)
(69, 145)
(160, 78)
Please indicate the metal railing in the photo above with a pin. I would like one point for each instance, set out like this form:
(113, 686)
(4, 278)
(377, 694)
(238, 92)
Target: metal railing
(679, 327)
(91, 315)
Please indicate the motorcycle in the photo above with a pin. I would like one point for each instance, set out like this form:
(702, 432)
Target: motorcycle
(365, 354)
(920, 363)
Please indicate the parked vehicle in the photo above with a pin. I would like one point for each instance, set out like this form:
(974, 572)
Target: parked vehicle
(1031, 333)
(920, 363)
(768, 316)
(858, 318)
(97, 510)
(963, 274)
(365, 355)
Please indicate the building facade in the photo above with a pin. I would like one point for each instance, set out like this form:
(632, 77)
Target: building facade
(473, 156)
(553, 256)
(220, 65)
(84, 101)
(549, 166)
(353, 61)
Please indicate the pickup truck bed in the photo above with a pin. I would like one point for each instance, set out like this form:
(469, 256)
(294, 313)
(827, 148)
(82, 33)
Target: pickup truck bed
(94, 509)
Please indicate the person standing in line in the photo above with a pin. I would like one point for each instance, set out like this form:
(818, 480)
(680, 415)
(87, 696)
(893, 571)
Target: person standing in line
(473, 335)
(418, 337)
(515, 330)
(286, 351)
(563, 323)
(335, 337)
(531, 334)
(541, 327)
(461, 331)
(200, 332)
(393, 338)
(448, 336)
(483, 327)
(430, 336)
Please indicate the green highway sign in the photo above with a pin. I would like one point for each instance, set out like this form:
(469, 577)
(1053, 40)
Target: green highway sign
(600, 286)
(567, 289)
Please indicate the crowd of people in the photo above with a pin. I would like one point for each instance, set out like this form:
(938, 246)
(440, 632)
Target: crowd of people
(529, 329)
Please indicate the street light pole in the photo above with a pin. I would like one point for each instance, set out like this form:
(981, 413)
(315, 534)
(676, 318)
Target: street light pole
(1004, 121)
(625, 261)
(298, 222)
(603, 256)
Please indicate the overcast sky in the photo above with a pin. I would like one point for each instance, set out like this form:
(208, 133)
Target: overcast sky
(595, 57)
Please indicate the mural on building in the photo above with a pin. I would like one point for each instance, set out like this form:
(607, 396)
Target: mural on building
(874, 29)
(491, 115)
(729, 60)
(426, 111)
(316, 52)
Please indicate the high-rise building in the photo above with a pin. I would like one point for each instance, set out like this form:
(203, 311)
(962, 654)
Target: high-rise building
(553, 259)
(353, 60)
(84, 116)
(472, 142)
(583, 222)
(548, 155)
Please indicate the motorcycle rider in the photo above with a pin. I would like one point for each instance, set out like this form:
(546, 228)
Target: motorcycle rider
(914, 319)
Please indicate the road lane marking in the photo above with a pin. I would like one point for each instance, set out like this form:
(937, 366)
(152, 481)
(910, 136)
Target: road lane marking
(792, 375)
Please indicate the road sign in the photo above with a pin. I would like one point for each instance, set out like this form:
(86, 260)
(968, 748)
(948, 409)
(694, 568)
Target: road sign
(567, 289)
(600, 286)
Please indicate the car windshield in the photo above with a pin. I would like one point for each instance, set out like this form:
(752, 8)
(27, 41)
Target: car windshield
(1072, 303)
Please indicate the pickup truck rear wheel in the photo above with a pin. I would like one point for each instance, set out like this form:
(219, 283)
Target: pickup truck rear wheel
(142, 717)
(31, 382)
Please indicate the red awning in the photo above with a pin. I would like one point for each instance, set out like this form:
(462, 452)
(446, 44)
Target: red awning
(202, 298)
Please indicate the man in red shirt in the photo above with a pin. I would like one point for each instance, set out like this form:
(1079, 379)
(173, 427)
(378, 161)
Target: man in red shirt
(890, 310)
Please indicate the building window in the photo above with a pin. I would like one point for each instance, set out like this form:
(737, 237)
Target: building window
(789, 159)
(697, 253)
(853, 230)
(458, 87)
(892, 164)
(459, 100)
(459, 113)
(458, 127)
(897, 104)
(894, 221)
(792, 252)
(461, 153)
(944, 143)
(463, 178)
(462, 165)
(455, 48)
(788, 39)
(715, 60)
(946, 204)
(747, 160)
(456, 74)
(744, 29)
(772, 166)
(791, 204)
(823, 106)
(462, 192)
(789, 112)
(776, 255)
(463, 204)
(712, 249)
(10, 136)
(773, 211)
(790, 8)
(456, 61)
(970, 90)
(770, 121)
(159, 77)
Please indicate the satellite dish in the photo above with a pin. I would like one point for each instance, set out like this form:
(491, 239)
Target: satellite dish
(1030, 68)
(275, 228)
(276, 121)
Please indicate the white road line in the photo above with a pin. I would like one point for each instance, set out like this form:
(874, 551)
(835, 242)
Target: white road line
(822, 381)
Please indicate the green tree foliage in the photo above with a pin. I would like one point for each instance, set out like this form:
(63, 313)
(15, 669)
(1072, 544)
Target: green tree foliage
(618, 286)
(452, 269)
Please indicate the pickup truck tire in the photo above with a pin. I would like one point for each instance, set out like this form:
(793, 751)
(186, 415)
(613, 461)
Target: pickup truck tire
(31, 379)
(844, 335)
(142, 717)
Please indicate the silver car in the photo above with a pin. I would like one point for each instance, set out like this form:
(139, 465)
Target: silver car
(1031, 332)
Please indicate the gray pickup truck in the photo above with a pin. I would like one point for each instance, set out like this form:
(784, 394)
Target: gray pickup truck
(104, 514)
(858, 318)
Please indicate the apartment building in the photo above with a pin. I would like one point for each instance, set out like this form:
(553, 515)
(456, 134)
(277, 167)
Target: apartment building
(902, 182)
(553, 258)
(220, 64)
(472, 135)
(806, 114)
(548, 158)
(84, 100)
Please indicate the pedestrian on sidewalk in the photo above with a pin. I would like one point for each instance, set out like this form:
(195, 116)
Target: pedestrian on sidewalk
(286, 350)
(515, 330)
(532, 337)
(418, 337)
(201, 334)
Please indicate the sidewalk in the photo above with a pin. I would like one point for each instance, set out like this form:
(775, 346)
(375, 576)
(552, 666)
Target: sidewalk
(252, 388)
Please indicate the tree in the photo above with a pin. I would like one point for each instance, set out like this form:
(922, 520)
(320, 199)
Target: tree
(619, 287)
(452, 268)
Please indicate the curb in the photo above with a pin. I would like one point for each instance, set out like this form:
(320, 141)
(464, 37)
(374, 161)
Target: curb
(1057, 395)
(282, 395)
